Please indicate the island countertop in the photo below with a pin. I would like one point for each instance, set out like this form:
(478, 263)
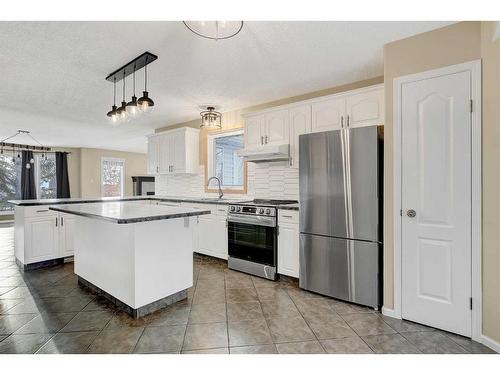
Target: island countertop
(127, 212)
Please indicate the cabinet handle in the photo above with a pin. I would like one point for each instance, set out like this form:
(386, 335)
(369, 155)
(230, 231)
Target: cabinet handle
(287, 216)
(261, 139)
(62, 222)
(347, 120)
(341, 121)
(267, 139)
(56, 221)
(42, 210)
(157, 168)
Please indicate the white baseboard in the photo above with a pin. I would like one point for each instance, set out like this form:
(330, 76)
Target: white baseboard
(490, 343)
(389, 312)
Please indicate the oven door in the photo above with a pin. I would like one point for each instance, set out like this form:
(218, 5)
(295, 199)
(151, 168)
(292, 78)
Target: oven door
(252, 238)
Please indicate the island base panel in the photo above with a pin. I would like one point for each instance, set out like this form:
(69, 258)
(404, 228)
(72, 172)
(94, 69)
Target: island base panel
(141, 311)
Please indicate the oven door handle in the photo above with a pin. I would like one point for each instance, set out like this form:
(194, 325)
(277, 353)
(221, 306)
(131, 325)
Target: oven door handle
(254, 220)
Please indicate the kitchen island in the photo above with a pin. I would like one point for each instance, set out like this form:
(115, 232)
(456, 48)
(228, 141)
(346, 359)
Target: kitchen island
(138, 256)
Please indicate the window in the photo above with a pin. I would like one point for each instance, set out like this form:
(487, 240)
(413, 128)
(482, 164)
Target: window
(45, 176)
(112, 174)
(10, 181)
(224, 162)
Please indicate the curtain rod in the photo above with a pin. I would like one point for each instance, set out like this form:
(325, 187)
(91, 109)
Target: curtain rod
(36, 149)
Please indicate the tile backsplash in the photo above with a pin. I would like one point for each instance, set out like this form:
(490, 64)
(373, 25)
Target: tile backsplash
(274, 180)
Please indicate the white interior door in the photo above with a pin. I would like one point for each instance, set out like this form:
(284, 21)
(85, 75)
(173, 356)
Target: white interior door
(436, 184)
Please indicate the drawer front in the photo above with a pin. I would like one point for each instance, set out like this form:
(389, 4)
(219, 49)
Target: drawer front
(221, 210)
(38, 211)
(288, 216)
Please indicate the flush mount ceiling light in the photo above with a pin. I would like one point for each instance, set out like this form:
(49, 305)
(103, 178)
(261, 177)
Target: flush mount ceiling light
(215, 30)
(211, 119)
(135, 107)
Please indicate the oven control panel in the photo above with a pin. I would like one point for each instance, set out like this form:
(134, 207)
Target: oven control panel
(253, 210)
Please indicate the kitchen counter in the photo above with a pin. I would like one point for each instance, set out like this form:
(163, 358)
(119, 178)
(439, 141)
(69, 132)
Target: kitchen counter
(159, 198)
(142, 266)
(127, 212)
(294, 207)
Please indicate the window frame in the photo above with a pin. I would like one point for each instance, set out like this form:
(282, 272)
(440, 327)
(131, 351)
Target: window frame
(122, 182)
(209, 162)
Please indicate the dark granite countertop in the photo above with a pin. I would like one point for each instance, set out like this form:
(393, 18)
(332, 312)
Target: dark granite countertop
(293, 207)
(127, 212)
(46, 202)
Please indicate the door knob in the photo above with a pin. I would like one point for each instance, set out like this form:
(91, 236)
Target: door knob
(411, 213)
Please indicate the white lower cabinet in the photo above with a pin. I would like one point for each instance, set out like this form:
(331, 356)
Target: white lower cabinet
(41, 238)
(41, 234)
(288, 243)
(211, 232)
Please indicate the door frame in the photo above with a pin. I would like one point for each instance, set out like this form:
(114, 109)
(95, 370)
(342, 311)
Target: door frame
(475, 68)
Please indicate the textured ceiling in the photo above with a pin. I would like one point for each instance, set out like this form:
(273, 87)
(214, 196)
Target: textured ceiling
(52, 77)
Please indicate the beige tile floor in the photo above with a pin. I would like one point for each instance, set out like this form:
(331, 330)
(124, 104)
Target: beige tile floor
(226, 312)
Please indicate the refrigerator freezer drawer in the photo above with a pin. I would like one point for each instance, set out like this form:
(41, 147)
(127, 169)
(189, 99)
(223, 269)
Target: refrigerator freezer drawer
(341, 268)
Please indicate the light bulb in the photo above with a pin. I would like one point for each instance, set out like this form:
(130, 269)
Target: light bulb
(28, 166)
(32, 161)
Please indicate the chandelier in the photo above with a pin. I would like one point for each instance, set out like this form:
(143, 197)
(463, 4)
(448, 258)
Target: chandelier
(135, 107)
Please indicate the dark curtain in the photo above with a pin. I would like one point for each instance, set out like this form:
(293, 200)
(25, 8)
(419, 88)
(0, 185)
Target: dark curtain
(62, 178)
(28, 190)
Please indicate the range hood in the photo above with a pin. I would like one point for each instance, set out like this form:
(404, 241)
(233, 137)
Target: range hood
(266, 153)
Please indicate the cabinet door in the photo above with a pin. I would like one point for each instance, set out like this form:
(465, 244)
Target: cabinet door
(66, 235)
(365, 108)
(288, 250)
(327, 115)
(300, 123)
(212, 236)
(164, 153)
(41, 241)
(276, 127)
(153, 155)
(253, 131)
(178, 152)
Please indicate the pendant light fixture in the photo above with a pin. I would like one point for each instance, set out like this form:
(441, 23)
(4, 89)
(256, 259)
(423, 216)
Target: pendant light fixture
(122, 111)
(135, 107)
(211, 119)
(214, 30)
(113, 115)
(145, 103)
(132, 107)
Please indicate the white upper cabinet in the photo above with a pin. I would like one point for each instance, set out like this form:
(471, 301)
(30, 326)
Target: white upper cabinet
(276, 127)
(267, 129)
(365, 108)
(153, 154)
(174, 151)
(328, 114)
(300, 123)
(254, 132)
(284, 124)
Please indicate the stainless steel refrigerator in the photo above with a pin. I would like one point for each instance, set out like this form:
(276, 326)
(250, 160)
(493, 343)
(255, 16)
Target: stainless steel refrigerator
(341, 214)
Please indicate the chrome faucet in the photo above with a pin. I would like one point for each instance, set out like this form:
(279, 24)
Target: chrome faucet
(221, 194)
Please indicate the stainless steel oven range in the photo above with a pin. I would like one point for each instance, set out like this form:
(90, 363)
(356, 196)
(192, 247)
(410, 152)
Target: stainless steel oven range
(252, 237)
